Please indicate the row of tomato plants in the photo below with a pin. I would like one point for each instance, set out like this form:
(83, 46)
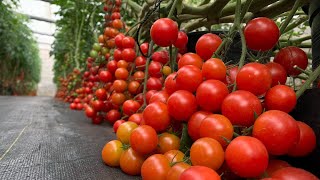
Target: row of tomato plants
(183, 115)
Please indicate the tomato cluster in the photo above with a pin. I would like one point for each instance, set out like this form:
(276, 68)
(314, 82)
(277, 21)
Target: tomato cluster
(236, 117)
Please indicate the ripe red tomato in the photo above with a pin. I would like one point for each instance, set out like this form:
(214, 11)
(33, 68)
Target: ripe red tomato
(97, 105)
(144, 48)
(239, 107)
(117, 124)
(214, 68)
(124, 131)
(105, 76)
(190, 59)
(73, 106)
(207, 44)
(121, 73)
(199, 173)
(115, 15)
(134, 87)
(164, 32)
(195, 122)
(101, 94)
(136, 118)
(131, 162)
(254, 77)
(188, 78)
(307, 141)
(181, 105)
(128, 42)
(168, 142)
(218, 127)
(181, 41)
(140, 63)
(154, 83)
(118, 98)
(112, 152)
(278, 73)
(160, 56)
(145, 134)
(118, 40)
(155, 69)
(155, 167)
(112, 66)
(176, 170)
(207, 152)
(210, 95)
(290, 56)
(157, 116)
(113, 115)
(130, 107)
(149, 94)
(161, 96)
(280, 97)
(291, 173)
(128, 54)
(261, 34)
(249, 151)
(170, 83)
(90, 112)
(117, 54)
(277, 130)
(274, 165)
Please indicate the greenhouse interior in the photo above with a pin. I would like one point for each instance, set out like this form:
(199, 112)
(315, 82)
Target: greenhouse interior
(159, 89)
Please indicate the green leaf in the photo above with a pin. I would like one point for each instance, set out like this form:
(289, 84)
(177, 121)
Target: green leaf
(186, 141)
(179, 7)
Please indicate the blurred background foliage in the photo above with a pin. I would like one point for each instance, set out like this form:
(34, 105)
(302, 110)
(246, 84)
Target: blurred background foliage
(19, 55)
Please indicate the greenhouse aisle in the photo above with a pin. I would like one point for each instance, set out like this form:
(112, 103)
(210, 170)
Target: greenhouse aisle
(40, 138)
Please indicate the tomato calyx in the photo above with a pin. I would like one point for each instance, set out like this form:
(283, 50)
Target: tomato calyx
(125, 146)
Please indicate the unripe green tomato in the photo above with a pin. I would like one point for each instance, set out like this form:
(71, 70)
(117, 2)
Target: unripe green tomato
(93, 54)
(96, 46)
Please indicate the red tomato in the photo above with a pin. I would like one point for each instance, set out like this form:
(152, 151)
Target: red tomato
(105, 76)
(118, 40)
(207, 44)
(170, 83)
(101, 94)
(130, 107)
(261, 34)
(164, 32)
(90, 112)
(207, 152)
(128, 54)
(274, 165)
(218, 127)
(278, 73)
(157, 116)
(155, 167)
(121, 73)
(112, 66)
(249, 151)
(239, 107)
(79, 106)
(112, 152)
(154, 84)
(131, 162)
(117, 124)
(168, 142)
(128, 42)
(113, 115)
(194, 124)
(307, 141)
(160, 56)
(140, 63)
(176, 170)
(155, 69)
(280, 97)
(188, 78)
(136, 118)
(291, 173)
(254, 77)
(118, 98)
(161, 96)
(73, 106)
(181, 41)
(144, 48)
(181, 105)
(199, 173)
(190, 59)
(97, 105)
(214, 68)
(149, 94)
(290, 56)
(117, 54)
(210, 95)
(277, 130)
(147, 135)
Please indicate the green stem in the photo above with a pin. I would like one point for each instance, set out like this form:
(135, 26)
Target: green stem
(296, 5)
(146, 73)
(313, 76)
(175, 2)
